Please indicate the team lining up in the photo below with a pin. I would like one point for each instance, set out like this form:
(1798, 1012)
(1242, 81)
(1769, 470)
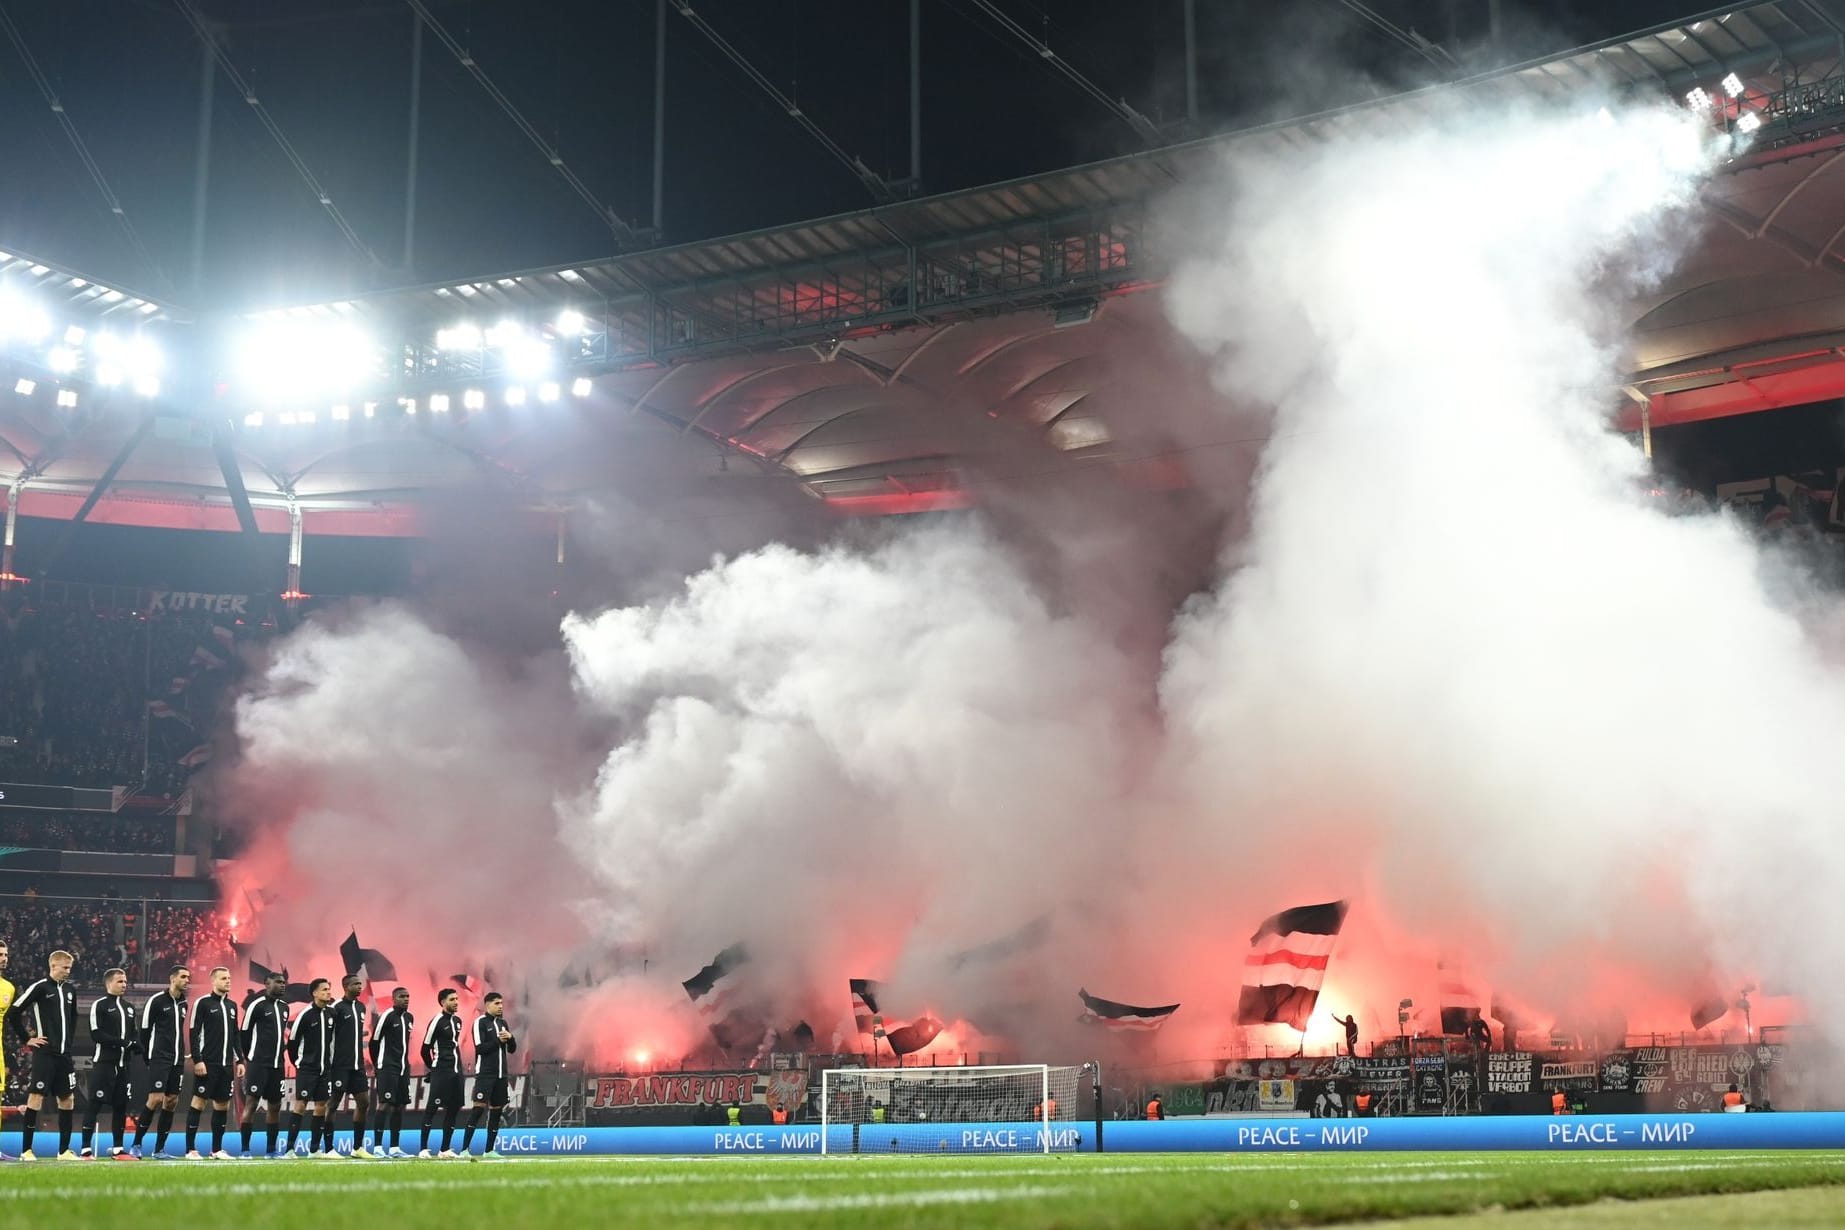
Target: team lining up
(327, 1044)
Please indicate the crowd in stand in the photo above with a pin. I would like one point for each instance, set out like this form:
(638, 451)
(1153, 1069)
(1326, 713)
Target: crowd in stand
(101, 934)
(192, 935)
(110, 834)
(76, 686)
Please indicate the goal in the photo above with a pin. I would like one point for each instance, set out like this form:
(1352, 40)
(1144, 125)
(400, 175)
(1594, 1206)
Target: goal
(1021, 1108)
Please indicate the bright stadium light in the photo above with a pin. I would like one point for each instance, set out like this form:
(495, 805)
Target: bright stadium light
(148, 386)
(74, 335)
(21, 318)
(108, 375)
(504, 334)
(341, 413)
(305, 358)
(580, 387)
(1699, 99)
(63, 359)
(570, 322)
(1733, 86)
(371, 409)
(459, 337)
(438, 403)
(24, 387)
(515, 396)
(286, 418)
(306, 418)
(253, 419)
(474, 399)
(548, 391)
(407, 404)
(67, 398)
(528, 358)
(1748, 121)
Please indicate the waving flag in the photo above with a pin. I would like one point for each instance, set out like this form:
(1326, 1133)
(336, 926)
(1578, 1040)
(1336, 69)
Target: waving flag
(1460, 1002)
(710, 986)
(908, 1039)
(1125, 1017)
(368, 963)
(1287, 963)
(865, 992)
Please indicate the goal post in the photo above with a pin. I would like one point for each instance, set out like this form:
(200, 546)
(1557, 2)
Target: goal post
(1002, 1108)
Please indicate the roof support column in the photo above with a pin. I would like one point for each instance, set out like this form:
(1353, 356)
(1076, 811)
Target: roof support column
(659, 121)
(293, 592)
(7, 575)
(201, 168)
(563, 529)
(416, 124)
(916, 97)
(1191, 67)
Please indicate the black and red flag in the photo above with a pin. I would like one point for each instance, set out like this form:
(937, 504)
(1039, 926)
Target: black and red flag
(1124, 1017)
(1287, 963)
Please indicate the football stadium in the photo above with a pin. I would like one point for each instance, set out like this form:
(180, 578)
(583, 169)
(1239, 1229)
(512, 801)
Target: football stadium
(940, 612)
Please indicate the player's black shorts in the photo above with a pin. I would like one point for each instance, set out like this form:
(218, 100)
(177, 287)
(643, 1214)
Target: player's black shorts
(52, 1073)
(490, 1091)
(164, 1081)
(444, 1090)
(262, 1084)
(312, 1085)
(109, 1084)
(215, 1085)
(349, 1080)
(393, 1088)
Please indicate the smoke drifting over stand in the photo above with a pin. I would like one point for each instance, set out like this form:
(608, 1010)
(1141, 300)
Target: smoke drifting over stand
(1454, 668)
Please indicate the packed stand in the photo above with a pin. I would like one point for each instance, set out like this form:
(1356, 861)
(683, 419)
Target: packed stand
(107, 834)
(71, 684)
(34, 928)
(192, 935)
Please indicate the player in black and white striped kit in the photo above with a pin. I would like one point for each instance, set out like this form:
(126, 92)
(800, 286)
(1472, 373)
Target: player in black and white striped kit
(493, 1042)
(265, 1048)
(112, 1031)
(163, 1042)
(442, 1061)
(391, 1071)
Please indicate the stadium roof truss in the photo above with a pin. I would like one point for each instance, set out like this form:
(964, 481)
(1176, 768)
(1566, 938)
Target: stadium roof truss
(859, 359)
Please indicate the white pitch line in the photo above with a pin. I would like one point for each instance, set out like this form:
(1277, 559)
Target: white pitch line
(882, 1200)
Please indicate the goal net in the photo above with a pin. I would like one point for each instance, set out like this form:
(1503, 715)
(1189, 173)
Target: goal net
(1024, 1108)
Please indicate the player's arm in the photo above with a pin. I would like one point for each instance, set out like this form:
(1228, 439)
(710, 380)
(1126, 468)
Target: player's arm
(294, 1039)
(246, 1033)
(147, 1026)
(429, 1044)
(482, 1031)
(377, 1037)
(33, 994)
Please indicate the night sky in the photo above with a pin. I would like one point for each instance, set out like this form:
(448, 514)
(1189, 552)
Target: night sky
(335, 75)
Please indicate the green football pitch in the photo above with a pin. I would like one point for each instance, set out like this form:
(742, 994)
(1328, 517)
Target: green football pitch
(1191, 1190)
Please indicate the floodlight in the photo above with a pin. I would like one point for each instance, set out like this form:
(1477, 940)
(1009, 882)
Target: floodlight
(548, 391)
(286, 418)
(303, 357)
(74, 335)
(459, 337)
(21, 318)
(474, 399)
(504, 334)
(62, 359)
(438, 403)
(148, 386)
(39, 271)
(1699, 99)
(371, 409)
(306, 418)
(67, 398)
(580, 387)
(570, 322)
(24, 387)
(108, 375)
(1748, 121)
(515, 396)
(408, 404)
(253, 419)
(528, 358)
(113, 296)
(341, 413)
(1733, 86)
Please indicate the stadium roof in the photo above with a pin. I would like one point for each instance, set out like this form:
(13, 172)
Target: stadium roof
(869, 360)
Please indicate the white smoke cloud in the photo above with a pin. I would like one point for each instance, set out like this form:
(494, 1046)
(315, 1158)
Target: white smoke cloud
(1463, 648)
(1454, 667)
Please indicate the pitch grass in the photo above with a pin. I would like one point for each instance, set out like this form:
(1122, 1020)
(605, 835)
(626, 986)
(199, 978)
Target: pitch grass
(1112, 1190)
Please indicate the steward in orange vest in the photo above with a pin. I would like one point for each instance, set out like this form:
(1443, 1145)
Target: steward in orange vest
(1154, 1109)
